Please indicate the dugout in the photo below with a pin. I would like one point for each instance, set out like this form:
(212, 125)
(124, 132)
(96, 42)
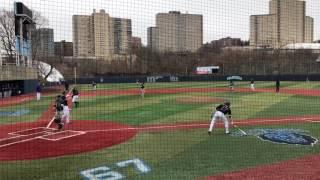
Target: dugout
(17, 87)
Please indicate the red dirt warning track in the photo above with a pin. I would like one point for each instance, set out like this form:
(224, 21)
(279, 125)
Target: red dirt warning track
(26, 141)
(303, 168)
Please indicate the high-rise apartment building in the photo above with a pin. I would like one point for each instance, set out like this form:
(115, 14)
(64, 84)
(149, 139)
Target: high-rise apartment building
(309, 29)
(262, 30)
(42, 42)
(176, 32)
(82, 38)
(153, 38)
(122, 35)
(286, 23)
(99, 35)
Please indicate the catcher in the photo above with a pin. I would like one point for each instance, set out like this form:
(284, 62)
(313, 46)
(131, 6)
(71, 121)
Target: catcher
(59, 112)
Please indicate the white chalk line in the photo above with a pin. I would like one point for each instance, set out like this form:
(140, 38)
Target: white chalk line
(61, 132)
(19, 136)
(46, 133)
(242, 131)
(159, 127)
(19, 132)
(25, 140)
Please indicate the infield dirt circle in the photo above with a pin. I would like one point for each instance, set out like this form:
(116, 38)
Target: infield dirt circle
(27, 141)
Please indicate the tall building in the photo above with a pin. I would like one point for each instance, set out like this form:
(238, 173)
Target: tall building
(102, 34)
(122, 35)
(262, 30)
(153, 38)
(99, 35)
(82, 38)
(42, 42)
(286, 23)
(63, 48)
(309, 30)
(177, 32)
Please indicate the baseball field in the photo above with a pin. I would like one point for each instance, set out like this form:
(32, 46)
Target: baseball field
(117, 134)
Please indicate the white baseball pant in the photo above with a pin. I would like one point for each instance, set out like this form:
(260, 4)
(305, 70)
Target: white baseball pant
(218, 115)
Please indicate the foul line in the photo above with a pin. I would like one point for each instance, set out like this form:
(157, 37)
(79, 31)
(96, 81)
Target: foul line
(46, 131)
(202, 125)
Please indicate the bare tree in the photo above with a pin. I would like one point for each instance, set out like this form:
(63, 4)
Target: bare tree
(7, 33)
(40, 22)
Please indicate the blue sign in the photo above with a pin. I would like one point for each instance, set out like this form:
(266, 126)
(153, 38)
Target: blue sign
(288, 138)
(283, 136)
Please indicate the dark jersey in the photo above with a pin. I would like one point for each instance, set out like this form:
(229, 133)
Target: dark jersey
(142, 86)
(277, 83)
(38, 88)
(75, 92)
(66, 86)
(58, 105)
(224, 109)
(64, 100)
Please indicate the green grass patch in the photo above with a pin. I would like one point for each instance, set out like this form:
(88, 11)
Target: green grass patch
(36, 108)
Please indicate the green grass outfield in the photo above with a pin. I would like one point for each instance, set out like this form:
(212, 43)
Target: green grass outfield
(179, 154)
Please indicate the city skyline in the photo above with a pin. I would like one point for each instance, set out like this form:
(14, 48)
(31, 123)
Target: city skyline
(221, 19)
(285, 24)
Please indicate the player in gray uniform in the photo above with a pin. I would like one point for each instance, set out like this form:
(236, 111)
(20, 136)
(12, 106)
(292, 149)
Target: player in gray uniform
(221, 112)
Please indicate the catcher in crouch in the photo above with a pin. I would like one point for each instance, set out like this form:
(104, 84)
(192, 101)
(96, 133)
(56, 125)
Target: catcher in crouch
(59, 112)
(221, 112)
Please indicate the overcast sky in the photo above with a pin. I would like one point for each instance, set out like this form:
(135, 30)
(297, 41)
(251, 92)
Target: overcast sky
(221, 17)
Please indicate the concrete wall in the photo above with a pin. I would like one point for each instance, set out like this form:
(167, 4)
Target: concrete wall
(8, 73)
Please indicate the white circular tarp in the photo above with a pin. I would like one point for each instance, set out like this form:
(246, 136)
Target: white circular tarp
(55, 75)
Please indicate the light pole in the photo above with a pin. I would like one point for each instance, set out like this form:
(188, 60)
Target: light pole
(75, 73)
